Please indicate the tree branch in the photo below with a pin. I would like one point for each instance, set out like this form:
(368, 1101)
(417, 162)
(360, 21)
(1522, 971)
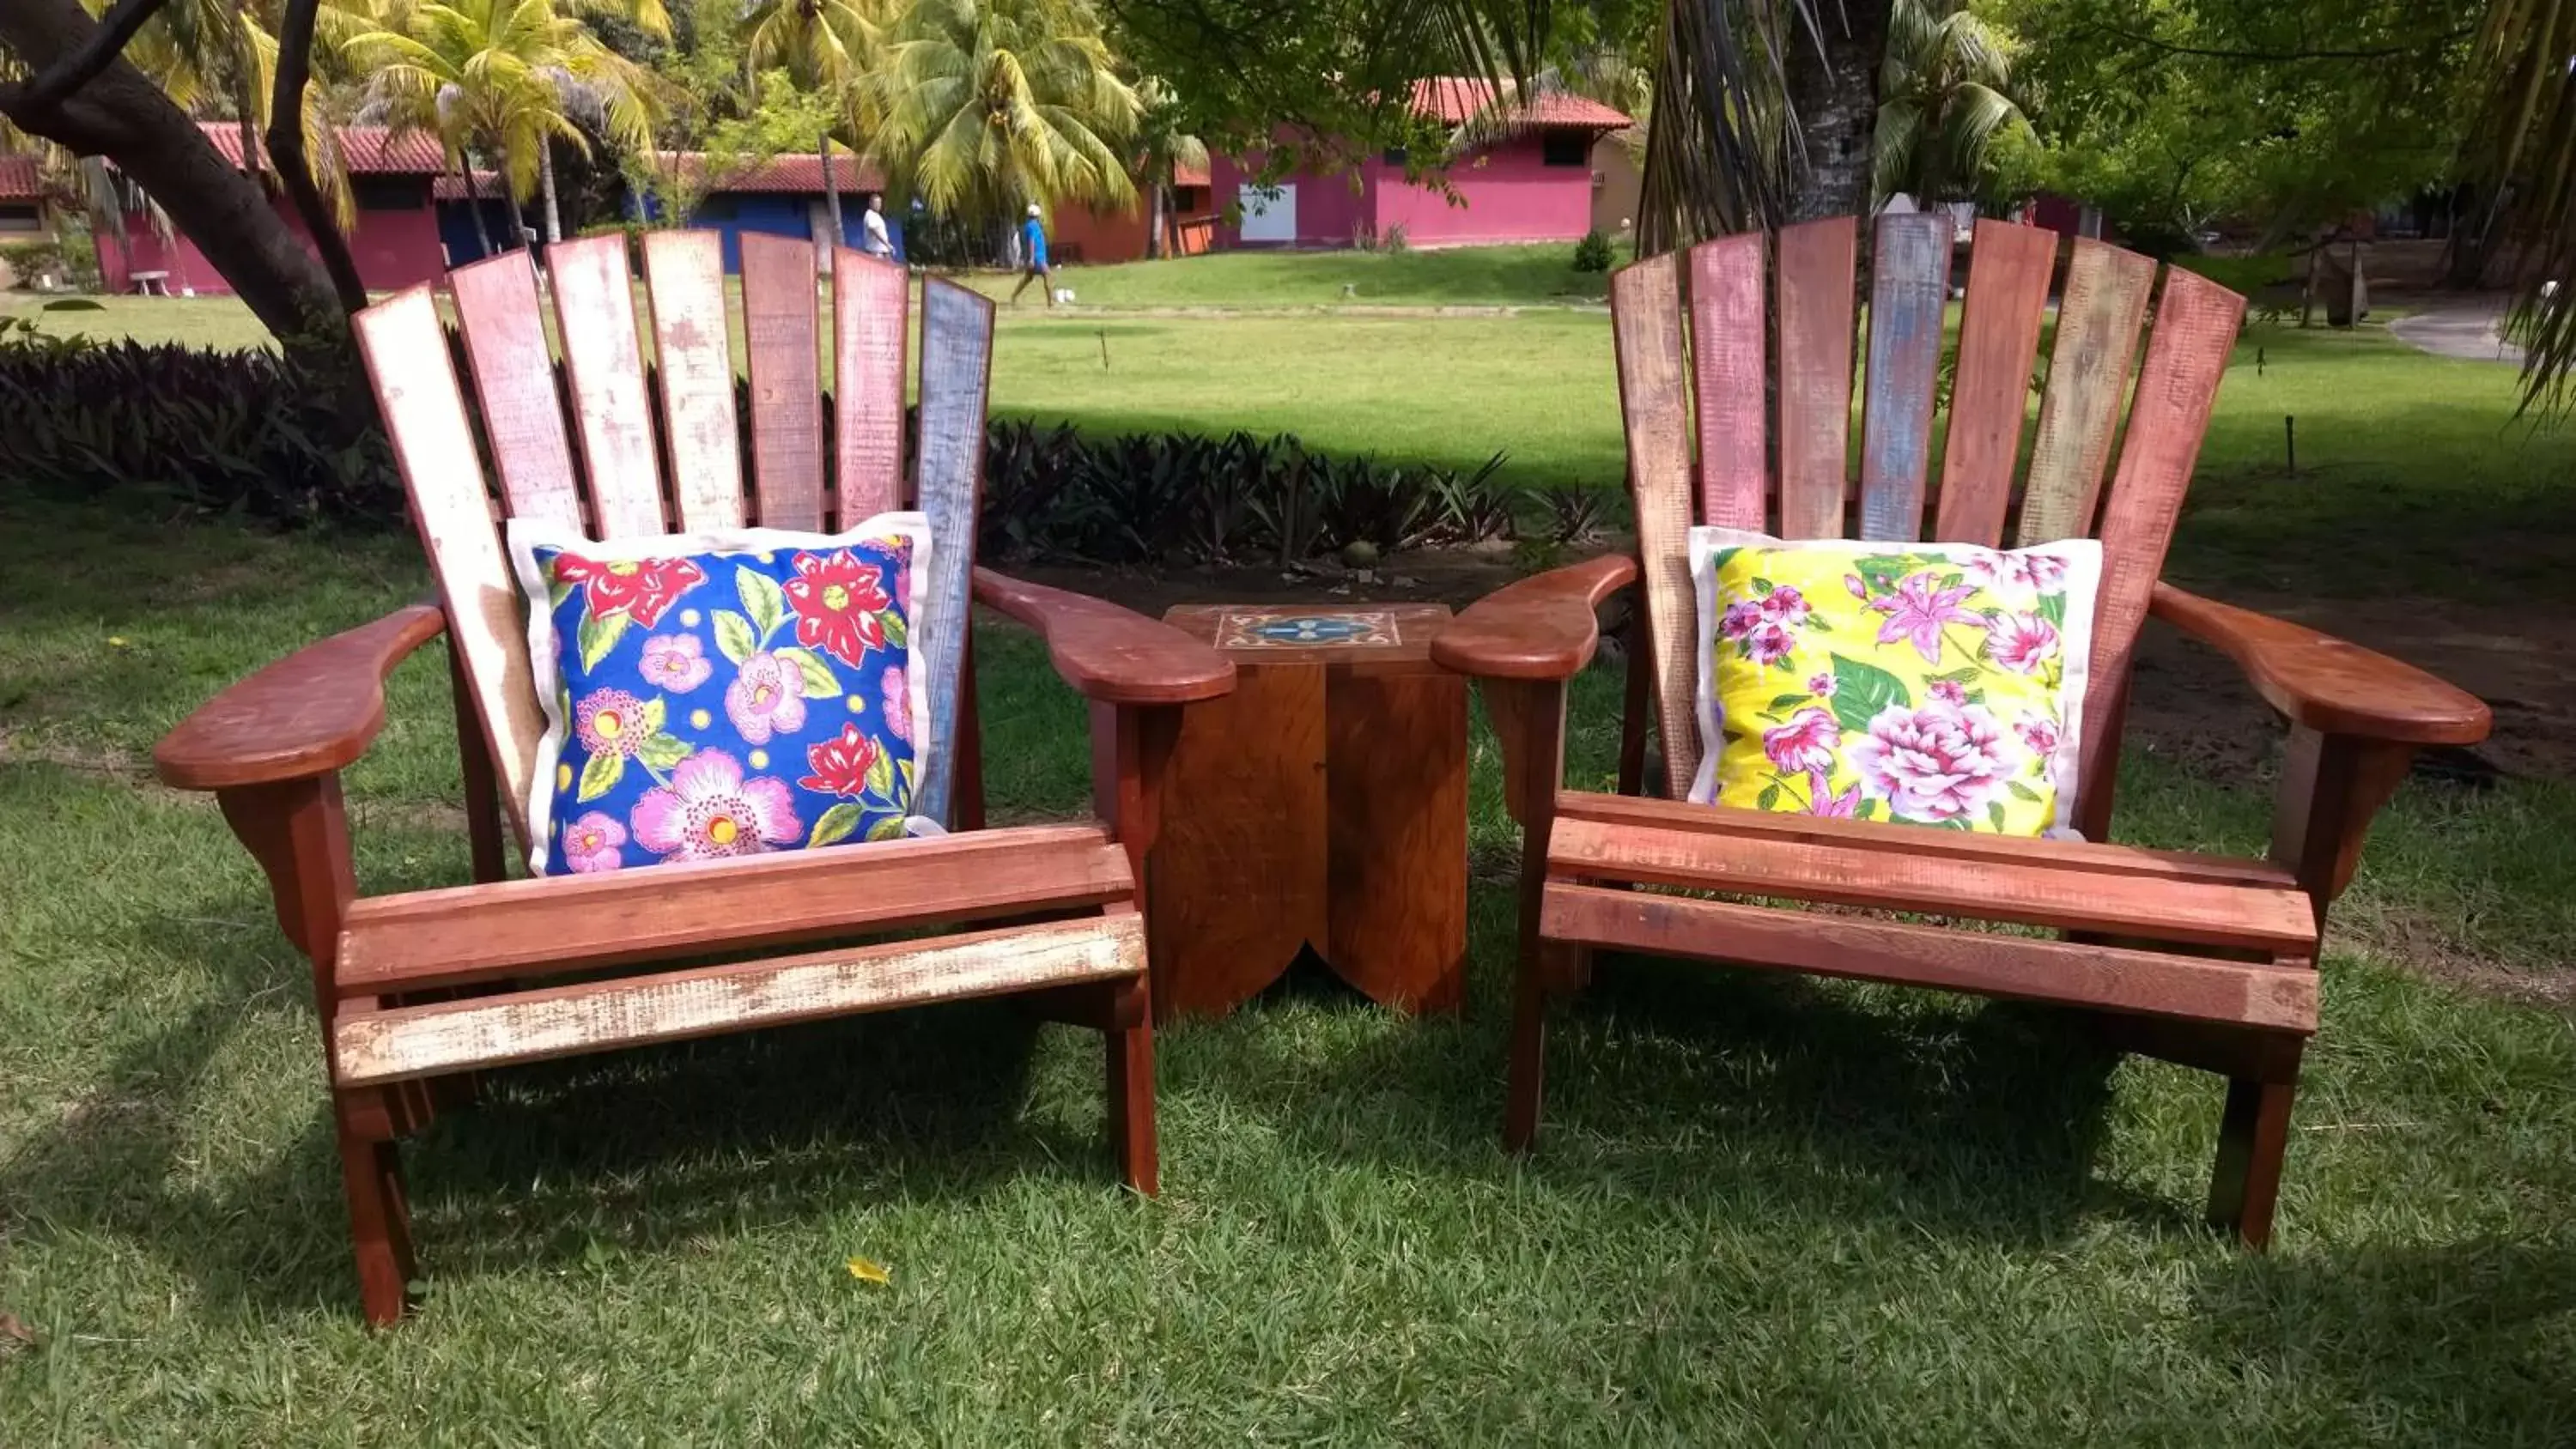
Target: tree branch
(42, 94)
(2277, 57)
(294, 168)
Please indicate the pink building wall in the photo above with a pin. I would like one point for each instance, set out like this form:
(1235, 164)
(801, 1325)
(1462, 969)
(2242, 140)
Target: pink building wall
(1510, 193)
(393, 249)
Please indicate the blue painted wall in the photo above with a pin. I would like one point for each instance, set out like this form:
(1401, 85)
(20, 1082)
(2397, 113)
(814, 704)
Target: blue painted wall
(728, 213)
(456, 229)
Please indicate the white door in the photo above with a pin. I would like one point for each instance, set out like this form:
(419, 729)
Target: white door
(1270, 213)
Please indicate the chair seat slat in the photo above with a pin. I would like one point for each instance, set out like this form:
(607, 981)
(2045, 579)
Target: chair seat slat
(870, 305)
(779, 331)
(514, 378)
(1815, 376)
(1645, 305)
(2098, 317)
(1908, 302)
(1731, 342)
(956, 376)
(595, 313)
(2008, 270)
(684, 276)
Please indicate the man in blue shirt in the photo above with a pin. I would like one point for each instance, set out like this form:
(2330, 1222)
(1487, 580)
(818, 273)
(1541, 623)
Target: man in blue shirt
(1033, 258)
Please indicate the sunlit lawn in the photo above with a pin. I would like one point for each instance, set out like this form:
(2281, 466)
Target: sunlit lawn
(1765, 1211)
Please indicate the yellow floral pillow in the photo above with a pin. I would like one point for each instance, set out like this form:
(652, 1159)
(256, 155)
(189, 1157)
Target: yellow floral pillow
(1927, 684)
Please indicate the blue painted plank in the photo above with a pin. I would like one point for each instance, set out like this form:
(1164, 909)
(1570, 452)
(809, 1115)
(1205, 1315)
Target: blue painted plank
(948, 476)
(1910, 290)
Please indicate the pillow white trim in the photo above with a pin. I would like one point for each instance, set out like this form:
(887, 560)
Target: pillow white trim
(527, 535)
(2081, 556)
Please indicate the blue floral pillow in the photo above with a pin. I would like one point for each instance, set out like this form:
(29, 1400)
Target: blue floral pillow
(721, 694)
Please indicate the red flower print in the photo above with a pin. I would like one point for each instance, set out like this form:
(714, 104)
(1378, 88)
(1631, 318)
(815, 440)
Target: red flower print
(840, 766)
(641, 589)
(836, 597)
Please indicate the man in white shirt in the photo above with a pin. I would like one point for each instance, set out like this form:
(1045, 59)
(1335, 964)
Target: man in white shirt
(877, 243)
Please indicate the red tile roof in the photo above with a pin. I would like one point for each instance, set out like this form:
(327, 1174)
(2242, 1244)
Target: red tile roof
(18, 179)
(369, 150)
(451, 187)
(795, 175)
(1190, 175)
(1453, 100)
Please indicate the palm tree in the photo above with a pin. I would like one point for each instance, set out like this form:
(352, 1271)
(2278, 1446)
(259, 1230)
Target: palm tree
(1163, 148)
(832, 45)
(2521, 152)
(990, 105)
(507, 77)
(1941, 101)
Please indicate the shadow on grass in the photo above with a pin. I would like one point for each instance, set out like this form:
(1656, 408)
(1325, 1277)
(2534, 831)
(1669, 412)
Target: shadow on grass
(640, 1148)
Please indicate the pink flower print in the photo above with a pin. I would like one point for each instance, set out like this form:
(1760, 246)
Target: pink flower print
(1832, 807)
(709, 811)
(595, 842)
(2039, 732)
(1739, 620)
(1784, 606)
(1770, 644)
(1940, 762)
(1805, 745)
(2046, 570)
(677, 662)
(1859, 589)
(1999, 570)
(2022, 643)
(1917, 612)
(767, 697)
(607, 720)
(1948, 691)
(1822, 685)
(898, 704)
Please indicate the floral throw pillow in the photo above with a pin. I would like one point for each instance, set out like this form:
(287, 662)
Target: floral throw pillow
(720, 694)
(1927, 684)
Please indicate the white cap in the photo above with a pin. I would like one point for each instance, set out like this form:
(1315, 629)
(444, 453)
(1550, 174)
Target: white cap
(1033, 208)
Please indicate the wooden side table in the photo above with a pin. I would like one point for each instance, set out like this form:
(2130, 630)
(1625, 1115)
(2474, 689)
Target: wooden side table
(1323, 803)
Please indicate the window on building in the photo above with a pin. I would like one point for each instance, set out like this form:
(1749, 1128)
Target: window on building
(21, 216)
(1395, 156)
(1565, 148)
(388, 193)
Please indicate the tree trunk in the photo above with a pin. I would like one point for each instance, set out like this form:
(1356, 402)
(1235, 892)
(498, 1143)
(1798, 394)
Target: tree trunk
(546, 180)
(124, 117)
(474, 203)
(1154, 244)
(832, 202)
(1835, 98)
(510, 199)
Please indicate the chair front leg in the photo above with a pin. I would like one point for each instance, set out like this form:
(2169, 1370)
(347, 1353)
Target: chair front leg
(1529, 716)
(1635, 708)
(1130, 747)
(2331, 787)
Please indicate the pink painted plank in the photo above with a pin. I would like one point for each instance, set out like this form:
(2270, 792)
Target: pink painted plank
(595, 316)
(778, 323)
(2008, 270)
(870, 302)
(1646, 323)
(2098, 317)
(514, 376)
(2196, 327)
(1908, 299)
(1815, 375)
(684, 275)
(1730, 340)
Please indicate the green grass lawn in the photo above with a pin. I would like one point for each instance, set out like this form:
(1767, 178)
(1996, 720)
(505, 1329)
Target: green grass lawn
(1765, 1210)
(1513, 276)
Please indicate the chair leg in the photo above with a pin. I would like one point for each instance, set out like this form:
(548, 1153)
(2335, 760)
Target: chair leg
(1131, 1093)
(1529, 1049)
(379, 1216)
(1635, 704)
(2253, 1137)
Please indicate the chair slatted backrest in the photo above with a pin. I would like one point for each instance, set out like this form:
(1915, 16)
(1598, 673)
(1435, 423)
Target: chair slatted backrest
(1712, 440)
(569, 413)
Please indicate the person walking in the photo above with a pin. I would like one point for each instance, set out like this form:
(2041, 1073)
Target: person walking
(1033, 258)
(876, 242)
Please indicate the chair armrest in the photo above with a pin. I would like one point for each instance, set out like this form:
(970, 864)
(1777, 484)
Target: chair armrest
(1109, 654)
(1543, 627)
(2325, 684)
(308, 714)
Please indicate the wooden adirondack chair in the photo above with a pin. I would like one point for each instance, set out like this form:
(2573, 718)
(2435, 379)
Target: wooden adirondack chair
(421, 987)
(2196, 959)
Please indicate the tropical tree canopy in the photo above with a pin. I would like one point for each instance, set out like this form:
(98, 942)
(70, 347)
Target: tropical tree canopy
(1942, 101)
(990, 105)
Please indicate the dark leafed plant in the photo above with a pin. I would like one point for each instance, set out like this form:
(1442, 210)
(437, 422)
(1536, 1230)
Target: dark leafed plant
(1576, 513)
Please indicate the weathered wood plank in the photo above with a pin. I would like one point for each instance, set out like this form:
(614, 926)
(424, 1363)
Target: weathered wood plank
(2008, 270)
(1816, 264)
(406, 357)
(2098, 317)
(684, 275)
(604, 366)
(948, 479)
(2279, 997)
(2196, 327)
(1909, 296)
(451, 937)
(1645, 310)
(514, 378)
(1967, 847)
(871, 303)
(1731, 344)
(779, 330)
(488, 1031)
(2034, 892)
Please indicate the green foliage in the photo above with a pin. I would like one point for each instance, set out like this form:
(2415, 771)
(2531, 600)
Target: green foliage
(28, 260)
(991, 105)
(1592, 254)
(260, 434)
(1053, 493)
(1943, 101)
